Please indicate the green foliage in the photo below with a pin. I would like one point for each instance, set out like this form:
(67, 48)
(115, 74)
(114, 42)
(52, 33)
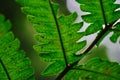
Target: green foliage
(54, 68)
(95, 69)
(57, 38)
(13, 64)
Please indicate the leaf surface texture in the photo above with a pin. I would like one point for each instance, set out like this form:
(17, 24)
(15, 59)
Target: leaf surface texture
(95, 69)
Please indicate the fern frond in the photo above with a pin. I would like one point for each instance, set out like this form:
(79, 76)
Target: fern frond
(57, 36)
(13, 64)
(95, 69)
(103, 13)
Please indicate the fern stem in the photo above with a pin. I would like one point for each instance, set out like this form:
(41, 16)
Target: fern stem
(66, 70)
(62, 74)
(95, 72)
(101, 33)
(8, 76)
(96, 40)
(60, 37)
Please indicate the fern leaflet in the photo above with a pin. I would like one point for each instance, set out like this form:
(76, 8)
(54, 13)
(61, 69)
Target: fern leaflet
(13, 64)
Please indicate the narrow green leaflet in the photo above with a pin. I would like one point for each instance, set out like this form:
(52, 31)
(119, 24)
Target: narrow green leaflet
(95, 69)
(57, 36)
(13, 64)
(101, 13)
(54, 68)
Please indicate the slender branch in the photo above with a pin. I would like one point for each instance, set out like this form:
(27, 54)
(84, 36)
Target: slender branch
(95, 41)
(8, 76)
(61, 75)
(101, 33)
(60, 37)
(95, 72)
(66, 70)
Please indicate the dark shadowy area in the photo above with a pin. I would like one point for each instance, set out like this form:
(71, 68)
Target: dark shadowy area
(63, 8)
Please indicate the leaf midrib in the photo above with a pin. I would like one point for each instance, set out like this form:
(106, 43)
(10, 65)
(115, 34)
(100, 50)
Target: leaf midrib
(103, 13)
(95, 72)
(60, 37)
(8, 76)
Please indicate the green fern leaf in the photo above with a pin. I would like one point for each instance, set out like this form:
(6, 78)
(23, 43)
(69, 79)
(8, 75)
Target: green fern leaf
(13, 64)
(103, 13)
(95, 69)
(57, 37)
